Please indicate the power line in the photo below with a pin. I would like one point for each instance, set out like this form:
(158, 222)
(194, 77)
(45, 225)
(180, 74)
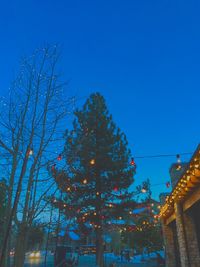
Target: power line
(162, 155)
(136, 157)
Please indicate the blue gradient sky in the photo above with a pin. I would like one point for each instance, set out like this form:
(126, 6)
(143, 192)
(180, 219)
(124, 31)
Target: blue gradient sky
(142, 55)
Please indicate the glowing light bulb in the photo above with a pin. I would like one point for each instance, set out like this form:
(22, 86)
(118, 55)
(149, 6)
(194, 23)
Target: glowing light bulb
(178, 167)
(143, 190)
(30, 152)
(92, 161)
(132, 163)
(178, 158)
(85, 181)
(188, 177)
(59, 157)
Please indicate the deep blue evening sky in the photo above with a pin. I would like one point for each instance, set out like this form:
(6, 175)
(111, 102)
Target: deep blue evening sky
(142, 55)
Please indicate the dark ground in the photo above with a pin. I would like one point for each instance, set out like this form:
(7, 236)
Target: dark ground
(84, 261)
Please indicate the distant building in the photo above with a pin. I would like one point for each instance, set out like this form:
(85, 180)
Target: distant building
(180, 215)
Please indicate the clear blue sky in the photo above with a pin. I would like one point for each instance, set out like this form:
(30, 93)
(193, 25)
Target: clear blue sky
(142, 55)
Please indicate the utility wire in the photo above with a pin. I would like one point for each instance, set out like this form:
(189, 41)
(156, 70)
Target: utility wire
(162, 155)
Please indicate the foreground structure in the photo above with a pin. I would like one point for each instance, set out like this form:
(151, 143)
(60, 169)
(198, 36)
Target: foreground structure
(180, 215)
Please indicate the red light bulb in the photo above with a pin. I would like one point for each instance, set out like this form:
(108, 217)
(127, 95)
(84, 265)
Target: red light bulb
(132, 162)
(59, 157)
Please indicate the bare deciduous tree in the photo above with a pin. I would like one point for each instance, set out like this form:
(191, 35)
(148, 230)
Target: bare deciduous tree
(30, 136)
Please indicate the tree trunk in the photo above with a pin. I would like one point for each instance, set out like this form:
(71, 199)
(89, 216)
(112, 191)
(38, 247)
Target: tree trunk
(99, 248)
(20, 249)
(6, 262)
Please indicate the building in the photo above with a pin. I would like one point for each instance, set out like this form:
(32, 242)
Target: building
(180, 215)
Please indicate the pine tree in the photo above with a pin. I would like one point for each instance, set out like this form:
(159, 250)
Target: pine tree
(98, 172)
(147, 235)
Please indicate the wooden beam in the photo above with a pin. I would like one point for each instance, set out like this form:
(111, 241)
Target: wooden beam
(192, 199)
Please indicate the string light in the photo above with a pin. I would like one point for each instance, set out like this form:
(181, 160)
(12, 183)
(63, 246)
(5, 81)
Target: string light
(59, 157)
(188, 178)
(196, 166)
(132, 163)
(85, 181)
(30, 152)
(182, 188)
(178, 158)
(143, 190)
(162, 155)
(92, 161)
(178, 166)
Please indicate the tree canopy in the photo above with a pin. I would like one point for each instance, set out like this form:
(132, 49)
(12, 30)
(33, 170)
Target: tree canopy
(98, 172)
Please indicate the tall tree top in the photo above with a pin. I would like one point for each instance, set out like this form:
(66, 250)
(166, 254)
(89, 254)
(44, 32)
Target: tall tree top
(96, 151)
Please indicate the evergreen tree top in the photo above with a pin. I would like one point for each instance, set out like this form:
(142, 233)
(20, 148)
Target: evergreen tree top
(97, 157)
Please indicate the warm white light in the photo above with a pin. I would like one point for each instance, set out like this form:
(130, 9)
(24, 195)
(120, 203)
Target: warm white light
(143, 190)
(30, 152)
(92, 161)
(37, 254)
(188, 177)
(85, 181)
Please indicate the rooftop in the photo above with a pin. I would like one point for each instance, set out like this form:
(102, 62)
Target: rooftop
(187, 183)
